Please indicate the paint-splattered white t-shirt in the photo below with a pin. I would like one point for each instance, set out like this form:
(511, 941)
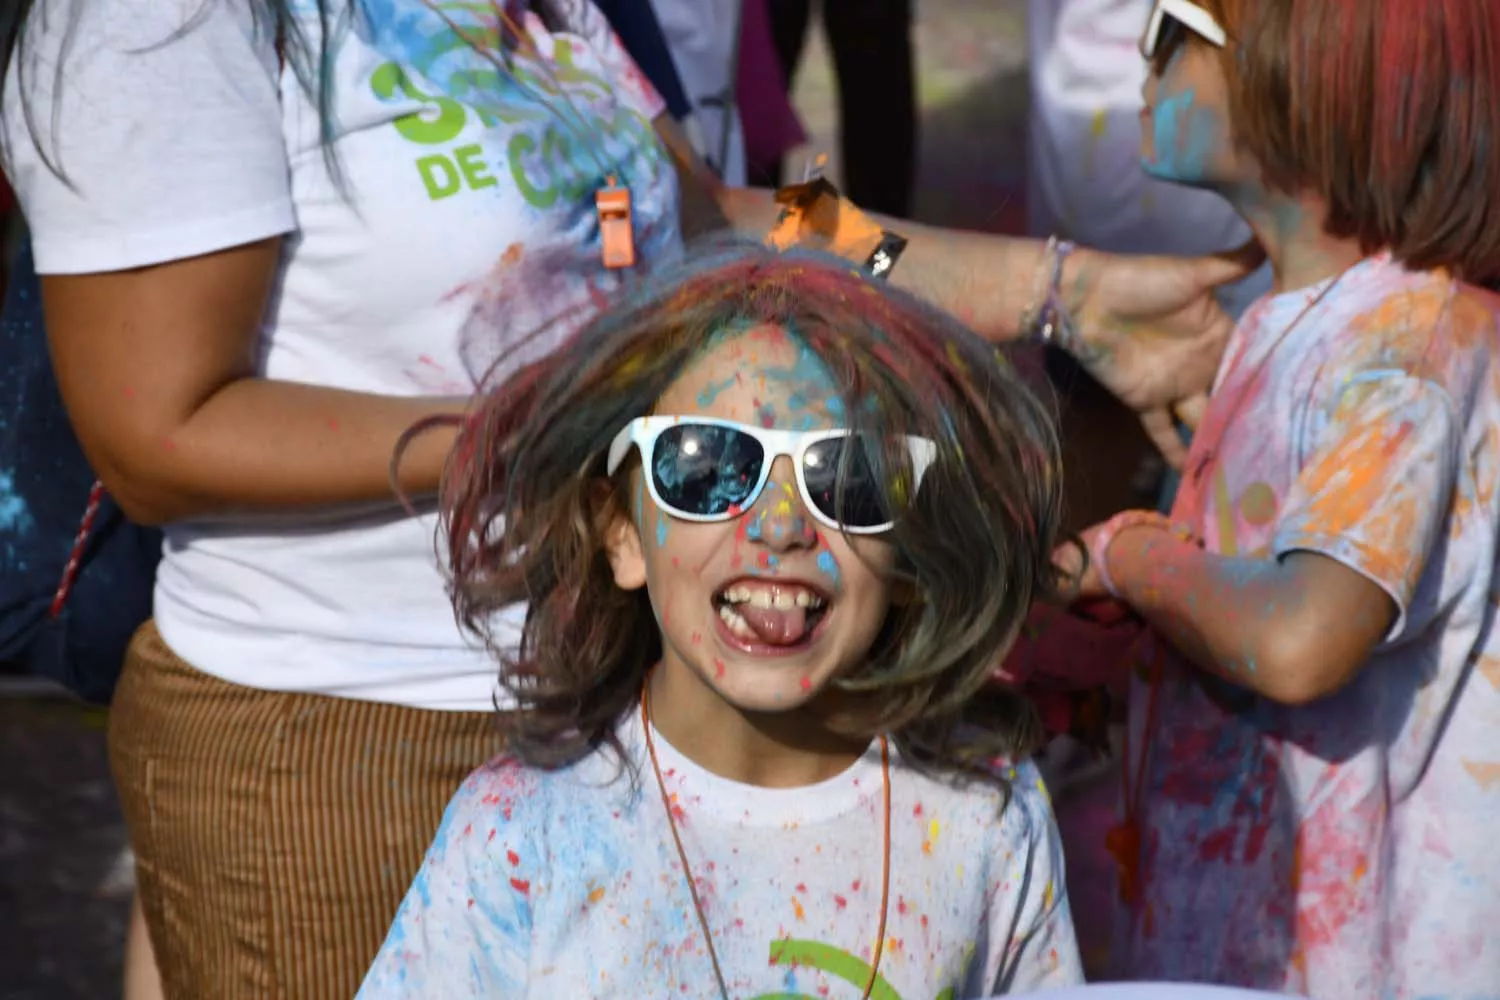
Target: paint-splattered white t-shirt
(567, 884)
(459, 225)
(1345, 849)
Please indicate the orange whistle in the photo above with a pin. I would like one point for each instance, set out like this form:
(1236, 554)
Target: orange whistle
(616, 232)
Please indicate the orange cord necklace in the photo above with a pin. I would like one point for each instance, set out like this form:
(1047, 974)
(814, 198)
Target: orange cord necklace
(687, 871)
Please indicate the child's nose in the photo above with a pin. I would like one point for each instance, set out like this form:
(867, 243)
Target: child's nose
(784, 521)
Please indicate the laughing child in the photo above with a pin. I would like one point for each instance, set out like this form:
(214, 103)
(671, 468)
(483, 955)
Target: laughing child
(775, 524)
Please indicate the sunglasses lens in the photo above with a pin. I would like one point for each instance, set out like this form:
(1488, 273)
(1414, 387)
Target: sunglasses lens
(1168, 40)
(704, 471)
(836, 461)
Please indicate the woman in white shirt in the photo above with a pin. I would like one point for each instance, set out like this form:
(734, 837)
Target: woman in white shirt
(275, 234)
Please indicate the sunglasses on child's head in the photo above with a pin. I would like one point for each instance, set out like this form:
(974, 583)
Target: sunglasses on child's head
(703, 469)
(1168, 27)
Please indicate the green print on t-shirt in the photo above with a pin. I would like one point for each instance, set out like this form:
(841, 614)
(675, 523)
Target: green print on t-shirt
(557, 151)
(835, 962)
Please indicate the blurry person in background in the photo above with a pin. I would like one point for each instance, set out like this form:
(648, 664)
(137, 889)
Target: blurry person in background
(1085, 183)
(704, 36)
(873, 58)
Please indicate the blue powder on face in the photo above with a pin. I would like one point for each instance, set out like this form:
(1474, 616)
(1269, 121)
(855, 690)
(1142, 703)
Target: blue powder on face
(711, 392)
(661, 529)
(806, 378)
(829, 567)
(1184, 136)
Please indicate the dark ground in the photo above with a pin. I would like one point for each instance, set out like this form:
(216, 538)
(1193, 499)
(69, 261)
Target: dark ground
(62, 905)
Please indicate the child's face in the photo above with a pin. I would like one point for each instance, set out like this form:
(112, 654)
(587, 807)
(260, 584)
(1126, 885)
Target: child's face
(1185, 134)
(774, 553)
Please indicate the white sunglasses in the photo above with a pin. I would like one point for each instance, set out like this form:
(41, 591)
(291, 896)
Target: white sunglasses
(704, 469)
(1169, 16)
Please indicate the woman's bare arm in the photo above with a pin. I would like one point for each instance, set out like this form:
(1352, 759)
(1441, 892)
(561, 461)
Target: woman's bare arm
(157, 368)
(1148, 327)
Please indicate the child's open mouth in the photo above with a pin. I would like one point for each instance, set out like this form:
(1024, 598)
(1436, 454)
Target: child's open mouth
(780, 614)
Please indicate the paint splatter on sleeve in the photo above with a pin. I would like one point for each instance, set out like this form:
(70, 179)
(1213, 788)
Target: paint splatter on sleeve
(1377, 484)
(1041, 952)
(464, 929)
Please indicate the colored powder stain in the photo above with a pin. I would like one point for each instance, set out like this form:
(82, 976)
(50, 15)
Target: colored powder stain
(829, 566)
(596, 895)
(1098, 124)
(767, 561)
(520, 885)
(15, 515)
(955, 359)
(676, 563)
(697, 638)
(797, 909)
(661, 530)
(933, 829)
(917, 810)
(805, 683)
(901, 906)
(719, 669)
(333, 425)
(713, 390)
(754, 528)
(840, 901)
(1183, 136)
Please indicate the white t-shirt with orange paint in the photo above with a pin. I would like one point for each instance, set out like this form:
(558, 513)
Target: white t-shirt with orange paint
(1344, 848)
(567, 884)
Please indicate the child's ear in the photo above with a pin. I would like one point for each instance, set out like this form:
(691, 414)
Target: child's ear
(622, 545)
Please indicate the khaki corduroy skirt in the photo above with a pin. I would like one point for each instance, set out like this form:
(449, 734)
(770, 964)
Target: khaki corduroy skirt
(275, 834)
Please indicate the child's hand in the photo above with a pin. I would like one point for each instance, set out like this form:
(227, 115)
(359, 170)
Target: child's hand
(1094, 581)
(1080, 569)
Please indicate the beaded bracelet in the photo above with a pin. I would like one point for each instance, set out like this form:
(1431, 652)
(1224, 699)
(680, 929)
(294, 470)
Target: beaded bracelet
(1047, 318)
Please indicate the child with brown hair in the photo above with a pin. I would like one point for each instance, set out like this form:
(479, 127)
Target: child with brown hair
(775, 523)
(1314, 776)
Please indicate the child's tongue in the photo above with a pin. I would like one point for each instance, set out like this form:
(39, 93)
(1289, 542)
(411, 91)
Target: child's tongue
(774, 626)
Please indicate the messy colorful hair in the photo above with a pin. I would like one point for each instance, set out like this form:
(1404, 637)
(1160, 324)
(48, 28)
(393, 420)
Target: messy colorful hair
(1386, 109)
(525, 504)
